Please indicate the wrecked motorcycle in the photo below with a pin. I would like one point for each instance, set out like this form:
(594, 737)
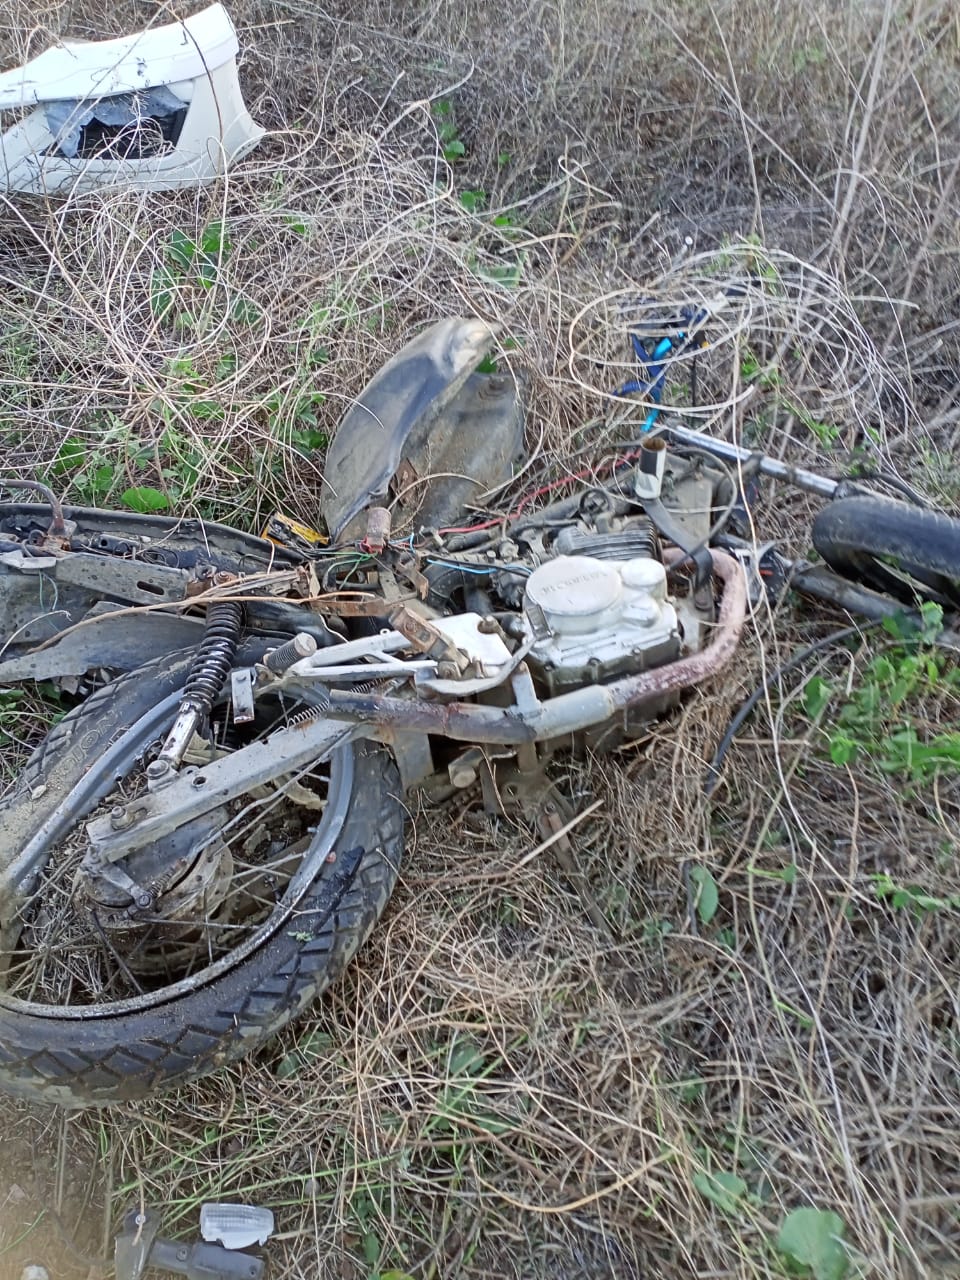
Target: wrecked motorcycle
(201, 845)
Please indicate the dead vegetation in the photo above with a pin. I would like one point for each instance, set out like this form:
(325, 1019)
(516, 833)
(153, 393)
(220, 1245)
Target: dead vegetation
(495, 1089)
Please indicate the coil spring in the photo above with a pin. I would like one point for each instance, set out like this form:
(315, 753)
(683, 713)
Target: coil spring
(215, 656)
(309, 714)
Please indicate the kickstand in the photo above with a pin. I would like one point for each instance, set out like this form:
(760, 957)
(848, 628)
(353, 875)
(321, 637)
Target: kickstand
(553, 816)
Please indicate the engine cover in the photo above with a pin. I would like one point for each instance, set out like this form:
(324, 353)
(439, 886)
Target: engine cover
(595, 620)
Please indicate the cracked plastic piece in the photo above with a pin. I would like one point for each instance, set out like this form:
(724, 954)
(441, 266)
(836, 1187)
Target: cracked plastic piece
(235, 1226)
(140, 1247)
(156, 111)
(426, 436)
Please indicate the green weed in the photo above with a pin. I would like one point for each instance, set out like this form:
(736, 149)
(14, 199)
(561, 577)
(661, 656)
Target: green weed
(454, 148)
(769, 377)
(880, 720)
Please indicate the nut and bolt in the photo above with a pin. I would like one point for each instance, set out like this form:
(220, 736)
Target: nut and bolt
(120, 819)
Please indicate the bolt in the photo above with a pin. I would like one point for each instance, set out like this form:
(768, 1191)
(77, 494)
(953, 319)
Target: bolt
(143, 898)
(462, 775)
(488, 626)
(448, 670)
(301, 646)
(181, 1254)
(158, 768)
(120, 819)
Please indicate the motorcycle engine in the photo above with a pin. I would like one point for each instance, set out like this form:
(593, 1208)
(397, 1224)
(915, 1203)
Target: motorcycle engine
(594, 620)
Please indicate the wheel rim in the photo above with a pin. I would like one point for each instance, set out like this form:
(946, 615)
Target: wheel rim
(65, 948)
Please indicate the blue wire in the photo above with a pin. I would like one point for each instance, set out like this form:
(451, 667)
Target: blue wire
(494, 568)
(655, 365)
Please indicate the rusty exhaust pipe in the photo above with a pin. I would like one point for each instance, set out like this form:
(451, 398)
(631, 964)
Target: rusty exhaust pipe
(569, 712)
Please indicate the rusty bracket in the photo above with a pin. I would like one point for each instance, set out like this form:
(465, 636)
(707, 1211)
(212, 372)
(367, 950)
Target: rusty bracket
(430, 641)
(408, 568)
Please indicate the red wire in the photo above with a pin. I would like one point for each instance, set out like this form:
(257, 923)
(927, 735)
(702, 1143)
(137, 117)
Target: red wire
(538, 493)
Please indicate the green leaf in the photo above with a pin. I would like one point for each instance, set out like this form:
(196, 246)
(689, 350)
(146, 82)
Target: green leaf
(722, 1189)
(245, 312)
(309, 439)
(473, 201)
(163, 286)
(71, 455)
(813, 1239)
(708, 895)
(503, 159)
(931, 615)
(396, 1275)
(214, 241)
(505, 275)
(181, 250)
(371, 1248)
(315, 1044)
(466, 1059)
(102, 478)
(816, 695)
(454, 149)
(143, 498)
(842, 748)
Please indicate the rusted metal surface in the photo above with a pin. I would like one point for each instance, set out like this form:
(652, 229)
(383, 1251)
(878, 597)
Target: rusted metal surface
(570, 711)
(697, 667)
(378, 530)
(58, 528)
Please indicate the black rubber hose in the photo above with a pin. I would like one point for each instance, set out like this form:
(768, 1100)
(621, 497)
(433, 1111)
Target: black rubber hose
(866, 539)
(712, 776)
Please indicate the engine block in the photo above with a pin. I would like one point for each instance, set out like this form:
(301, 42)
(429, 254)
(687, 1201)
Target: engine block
(594, 620)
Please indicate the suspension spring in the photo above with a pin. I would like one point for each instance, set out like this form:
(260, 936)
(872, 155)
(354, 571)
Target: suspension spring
(214, 659)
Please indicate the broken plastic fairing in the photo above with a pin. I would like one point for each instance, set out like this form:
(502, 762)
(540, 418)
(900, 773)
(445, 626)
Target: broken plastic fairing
(156, 111)
(235, 1226)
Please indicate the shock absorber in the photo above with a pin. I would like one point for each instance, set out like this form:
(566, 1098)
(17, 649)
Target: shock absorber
(209, 673)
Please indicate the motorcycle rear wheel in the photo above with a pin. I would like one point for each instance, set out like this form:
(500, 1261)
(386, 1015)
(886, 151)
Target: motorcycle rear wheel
(85, 1021)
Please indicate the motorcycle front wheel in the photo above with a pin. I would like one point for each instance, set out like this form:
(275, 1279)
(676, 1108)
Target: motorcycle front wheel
(255, 910)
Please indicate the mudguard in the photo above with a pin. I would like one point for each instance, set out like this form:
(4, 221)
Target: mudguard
(427, 435)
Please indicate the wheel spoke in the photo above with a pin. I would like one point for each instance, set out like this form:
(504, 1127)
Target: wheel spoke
(80, 939)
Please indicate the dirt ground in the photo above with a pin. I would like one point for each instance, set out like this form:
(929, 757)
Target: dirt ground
(496, 1088)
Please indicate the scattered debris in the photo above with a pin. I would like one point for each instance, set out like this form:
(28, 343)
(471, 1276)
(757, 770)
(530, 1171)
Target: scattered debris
(235, 1226)
(139, 1246)
(157, 110)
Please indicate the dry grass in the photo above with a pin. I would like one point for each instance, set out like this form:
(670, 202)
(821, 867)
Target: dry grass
(494, 1089)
